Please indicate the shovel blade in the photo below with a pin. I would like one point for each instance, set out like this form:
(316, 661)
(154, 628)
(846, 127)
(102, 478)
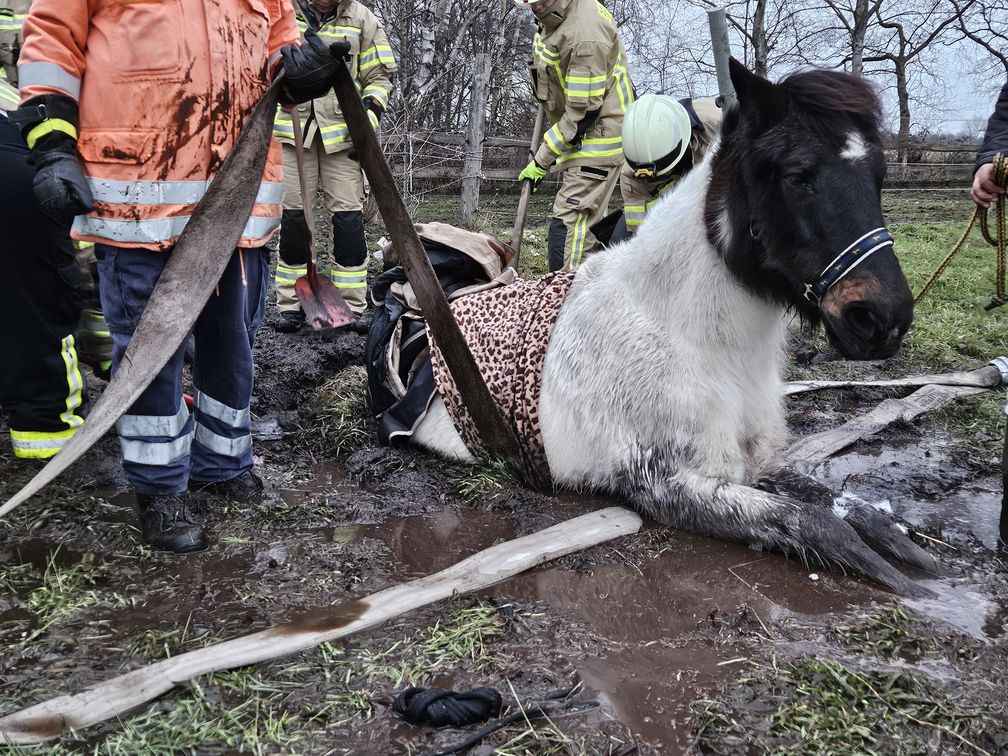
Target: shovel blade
(321, 301)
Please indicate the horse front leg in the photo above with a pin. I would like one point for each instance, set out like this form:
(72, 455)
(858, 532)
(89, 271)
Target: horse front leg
(878, 529)
(719, 509)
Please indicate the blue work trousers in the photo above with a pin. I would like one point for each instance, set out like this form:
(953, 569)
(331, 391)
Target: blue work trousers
(163, 445)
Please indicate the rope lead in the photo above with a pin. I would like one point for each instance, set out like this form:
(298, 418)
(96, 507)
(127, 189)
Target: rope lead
(1000, 243)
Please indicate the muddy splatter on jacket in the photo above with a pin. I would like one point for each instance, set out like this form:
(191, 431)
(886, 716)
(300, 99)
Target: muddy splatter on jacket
(371, 64)
(639, 194)
(580, 76)
(12, 16)
(164, 88)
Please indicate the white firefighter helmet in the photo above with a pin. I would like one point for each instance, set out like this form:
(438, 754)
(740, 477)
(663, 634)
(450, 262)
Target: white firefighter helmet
(656, 135)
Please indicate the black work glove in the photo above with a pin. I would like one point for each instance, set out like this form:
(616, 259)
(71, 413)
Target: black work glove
(61, 189)
(310, 68)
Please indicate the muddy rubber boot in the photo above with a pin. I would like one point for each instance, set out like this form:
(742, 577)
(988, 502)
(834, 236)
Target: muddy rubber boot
(242, 488)
(166, 524)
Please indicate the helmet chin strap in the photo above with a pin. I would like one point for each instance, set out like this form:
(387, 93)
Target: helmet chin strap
(846, 261)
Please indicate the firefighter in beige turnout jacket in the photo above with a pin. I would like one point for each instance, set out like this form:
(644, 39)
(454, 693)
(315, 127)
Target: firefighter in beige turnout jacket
(327, 156)
(12, 16)
(662, 139)
(579, 73)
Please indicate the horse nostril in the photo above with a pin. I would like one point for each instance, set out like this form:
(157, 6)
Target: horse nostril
(862, 320)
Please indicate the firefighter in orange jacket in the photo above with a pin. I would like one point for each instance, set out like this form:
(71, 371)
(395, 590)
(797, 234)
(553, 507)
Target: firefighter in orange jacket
(129, 110)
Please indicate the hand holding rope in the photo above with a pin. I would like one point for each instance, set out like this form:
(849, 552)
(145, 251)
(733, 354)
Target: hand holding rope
(999, 242)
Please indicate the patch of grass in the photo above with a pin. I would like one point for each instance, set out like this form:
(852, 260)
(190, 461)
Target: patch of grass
(886, 633)
(460, 639)
(483, 479)
(198, 720)
(338, 421)
(950, 325)
(813, 706)
(64, 591)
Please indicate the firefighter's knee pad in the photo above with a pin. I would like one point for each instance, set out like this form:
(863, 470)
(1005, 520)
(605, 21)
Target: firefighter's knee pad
(295, 241)
(349, 246)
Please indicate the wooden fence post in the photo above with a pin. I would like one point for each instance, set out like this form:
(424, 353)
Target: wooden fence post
(473, 164)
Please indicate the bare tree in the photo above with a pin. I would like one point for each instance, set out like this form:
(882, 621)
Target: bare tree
(854, 16)
(906, 30)
(985, 23)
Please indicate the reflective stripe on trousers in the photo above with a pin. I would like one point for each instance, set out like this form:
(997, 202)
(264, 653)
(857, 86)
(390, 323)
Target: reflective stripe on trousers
(223, 430)
(39, 444)
(163, 444)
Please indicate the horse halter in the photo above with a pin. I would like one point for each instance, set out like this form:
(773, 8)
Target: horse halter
(846, 261)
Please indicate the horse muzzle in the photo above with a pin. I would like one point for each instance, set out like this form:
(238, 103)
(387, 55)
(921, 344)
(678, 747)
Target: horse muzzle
(867, 315)
(864, 298)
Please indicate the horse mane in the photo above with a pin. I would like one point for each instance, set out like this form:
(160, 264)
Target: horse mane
(835, 92)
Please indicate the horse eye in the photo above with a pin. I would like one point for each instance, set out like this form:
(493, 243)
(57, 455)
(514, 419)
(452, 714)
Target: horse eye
(798, 180)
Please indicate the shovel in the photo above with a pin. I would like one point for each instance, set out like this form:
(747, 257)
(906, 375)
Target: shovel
(322, 304)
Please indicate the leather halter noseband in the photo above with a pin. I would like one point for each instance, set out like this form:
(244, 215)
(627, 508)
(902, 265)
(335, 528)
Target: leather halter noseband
(846, 261)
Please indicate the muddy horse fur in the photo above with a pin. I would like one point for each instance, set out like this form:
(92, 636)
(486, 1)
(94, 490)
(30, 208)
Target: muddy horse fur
(662, 378)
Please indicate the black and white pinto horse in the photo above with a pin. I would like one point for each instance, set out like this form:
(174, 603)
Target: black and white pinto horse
(662, 379)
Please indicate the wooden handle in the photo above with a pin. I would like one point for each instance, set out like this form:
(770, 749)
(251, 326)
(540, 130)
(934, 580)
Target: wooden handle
(526, 191)
(307, 202)
(494, 431)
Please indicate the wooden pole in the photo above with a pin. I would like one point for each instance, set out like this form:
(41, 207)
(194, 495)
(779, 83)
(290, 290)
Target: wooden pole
(497, 437)
(526, 191)
(473, 162)
(51, 719)
(722, 52)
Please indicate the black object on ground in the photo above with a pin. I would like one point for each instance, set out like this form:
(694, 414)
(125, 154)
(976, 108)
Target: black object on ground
(446, 708)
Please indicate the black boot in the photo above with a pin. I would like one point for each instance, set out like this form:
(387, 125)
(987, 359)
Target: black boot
(289, 321)
(166, 523)
(241, 488)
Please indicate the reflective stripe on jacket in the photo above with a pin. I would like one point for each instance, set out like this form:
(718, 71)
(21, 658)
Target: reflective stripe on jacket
(164, 89)
(9, 97)
(640, 194)
(579, 73)
(371, 63)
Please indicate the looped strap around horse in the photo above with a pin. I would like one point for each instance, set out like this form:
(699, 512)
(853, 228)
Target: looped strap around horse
(846, 261)
(999, 242)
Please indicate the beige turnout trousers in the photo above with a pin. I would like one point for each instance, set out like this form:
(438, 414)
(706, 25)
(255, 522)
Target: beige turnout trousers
(583, 199)
(342, 184)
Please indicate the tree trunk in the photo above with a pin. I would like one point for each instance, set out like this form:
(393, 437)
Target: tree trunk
(759, 40)
(903, 94)
(474, 140)
(858, 37)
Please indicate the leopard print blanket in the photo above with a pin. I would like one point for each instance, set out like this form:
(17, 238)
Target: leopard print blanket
(507, 329)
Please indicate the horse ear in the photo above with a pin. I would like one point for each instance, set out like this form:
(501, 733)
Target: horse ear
(756, 95)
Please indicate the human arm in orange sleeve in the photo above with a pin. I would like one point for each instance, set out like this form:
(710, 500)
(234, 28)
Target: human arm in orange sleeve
(52, 58)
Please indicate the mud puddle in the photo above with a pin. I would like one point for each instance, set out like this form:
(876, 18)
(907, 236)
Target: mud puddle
(920, 482)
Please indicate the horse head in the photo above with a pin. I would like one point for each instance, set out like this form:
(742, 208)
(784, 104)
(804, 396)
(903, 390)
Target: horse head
(794, 206)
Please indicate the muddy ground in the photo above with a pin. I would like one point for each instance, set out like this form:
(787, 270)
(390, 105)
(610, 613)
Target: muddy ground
(680, 643)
